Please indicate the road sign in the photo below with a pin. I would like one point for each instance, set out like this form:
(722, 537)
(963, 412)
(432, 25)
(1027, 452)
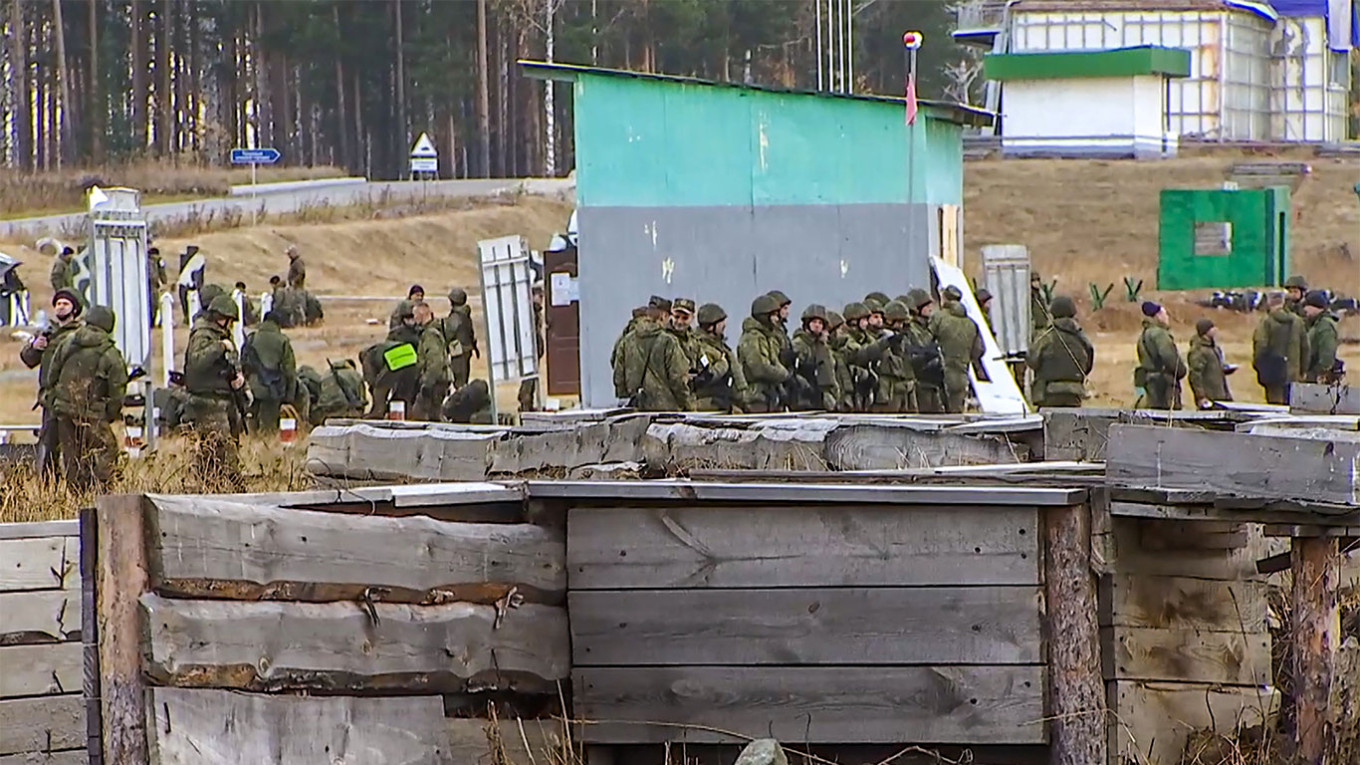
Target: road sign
(422, 165)
(424, 148)
(254, 156)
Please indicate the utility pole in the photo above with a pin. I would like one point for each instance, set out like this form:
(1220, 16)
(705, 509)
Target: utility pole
(483, 93)
(549, 118)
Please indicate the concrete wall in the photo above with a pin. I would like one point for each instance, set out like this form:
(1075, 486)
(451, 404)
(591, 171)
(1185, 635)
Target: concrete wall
(1101, 116)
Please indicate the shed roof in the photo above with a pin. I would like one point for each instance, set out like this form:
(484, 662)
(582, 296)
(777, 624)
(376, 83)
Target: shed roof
(942, 110)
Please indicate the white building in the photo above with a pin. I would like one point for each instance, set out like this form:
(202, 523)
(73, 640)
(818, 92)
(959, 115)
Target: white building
(1258, 71)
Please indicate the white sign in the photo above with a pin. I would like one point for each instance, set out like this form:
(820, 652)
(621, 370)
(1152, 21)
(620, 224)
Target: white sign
(507, 304)
(420, 165)
(424, 147)
(564, 288)
(998, 394)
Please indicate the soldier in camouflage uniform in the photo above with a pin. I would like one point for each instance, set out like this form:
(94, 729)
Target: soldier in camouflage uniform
(271, 369)
(960, 348)
(897, 382)
(655, 369)
(876, 300)
(759, 351)
(1061, 357)
(89, 382)
(461, 335)
(385, 383)
(433, 377)
(615, 359)
(1039, 316)
(39, 352)
(782, 320)
(1208, 373)
(837, 336)
(63, 271)
(207, 294)
(815, 363)
(1279, 349)
(528, 387)
(212, 375)
(414, 295)
(337, 392)
(682, 326)
(924, 352)
(861, 355)
(1160, 366)
(719, 385)
(1295, 289)
(470, 404)
(1323, 366)
(297, 268)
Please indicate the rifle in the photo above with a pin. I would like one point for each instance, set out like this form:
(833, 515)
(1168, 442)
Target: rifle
(229, 371)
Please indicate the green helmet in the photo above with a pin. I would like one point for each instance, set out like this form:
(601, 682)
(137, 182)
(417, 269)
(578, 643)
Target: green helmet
(1063, 307)
(904, 299)
(919, 298)
(856, 311)
(874, 305)
(895, 311)
(458, 296)
(952, 293)
(711, 313)
(764, 305)
(224, 306)
(877, 297)
(780, 298)
(1297, 282)
(814, 311)
(101, 317)
(833, 320)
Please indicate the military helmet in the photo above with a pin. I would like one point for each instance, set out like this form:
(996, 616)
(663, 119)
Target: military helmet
(833, 320)
(952, 293)
(711, 313)
(779, 297)
(458, 296)
(877, 297)
(1062, 307)
(903, 299)
(683, 304)
(896, 311)
(919, 298)
(873, 304)
(764, 305)
(983, 295)
(101, 317)
(1297, 282)
(224, 306)
(814, 311)
(856, 311)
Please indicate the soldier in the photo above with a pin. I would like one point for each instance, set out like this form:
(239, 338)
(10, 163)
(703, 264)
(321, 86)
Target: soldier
(414, 295)
(249, 315)
(837, 334)
(390, 366)
(339, 392)
(655, 368)
(1323, 366)
(1038, 307)
(879, 299)
(89, 381)
(212, 375)
(960, 348)
(462, 337)
(1061, 357)
(815, 364)
(433, 377)
(470, 404)
(1279, 349)
(1160, 366)
(63, 272)
(1208, 373)
(861, 355)
(984, 301)
(658, 311)
(278, 302)
(682, 326)
(782, 319)
(615, 357)
(759, 351)
(39, 352)
(528, 387)
(156, 280)
(297, 269)
(874, 323)
(1295, 287)
(719, 385)
(271, 369)
(897, 381)
(207, 293)
(923, 350)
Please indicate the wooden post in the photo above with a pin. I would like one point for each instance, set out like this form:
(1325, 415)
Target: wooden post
(89, 632)
(122, 580)
(1316, 632)
(1077, 733)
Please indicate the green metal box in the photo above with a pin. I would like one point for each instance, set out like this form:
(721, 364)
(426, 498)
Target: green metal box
(1222, 239)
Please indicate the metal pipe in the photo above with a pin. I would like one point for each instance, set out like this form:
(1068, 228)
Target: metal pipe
(850, 33)
(830, 49)
(817, 25)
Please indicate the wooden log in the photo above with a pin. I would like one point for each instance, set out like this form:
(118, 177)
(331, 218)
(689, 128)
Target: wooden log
(1151, 722)
(1255, 466)
(887, 446)
(722, 547)
(39, 670)
(1171, 602)
(49, 563)
(42, 724)
(973, 705)
(202, 727)
(509, 741)
(38, 617)
(1315, 636)
(216, 548)
(1077, 721)
(914, 625)
(375, 453)
(1230, 658)
(350, 646)
(122, 580)
(66, 757)
(794, 444)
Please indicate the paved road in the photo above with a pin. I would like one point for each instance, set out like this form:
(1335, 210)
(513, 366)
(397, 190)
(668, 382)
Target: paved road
(280, 202)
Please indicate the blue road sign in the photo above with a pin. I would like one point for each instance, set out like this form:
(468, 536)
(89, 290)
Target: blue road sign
(254, 156)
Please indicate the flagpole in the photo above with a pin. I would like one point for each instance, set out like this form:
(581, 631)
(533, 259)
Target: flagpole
(911, 42)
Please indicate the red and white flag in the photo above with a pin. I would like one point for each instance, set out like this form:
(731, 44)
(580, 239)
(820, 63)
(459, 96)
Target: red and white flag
(911, 99)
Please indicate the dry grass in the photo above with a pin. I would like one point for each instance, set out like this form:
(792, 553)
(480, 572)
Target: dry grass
(26, 194)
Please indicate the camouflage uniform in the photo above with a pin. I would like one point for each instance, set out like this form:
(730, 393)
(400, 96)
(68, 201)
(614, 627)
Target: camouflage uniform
(1062, 358)
(1279, 352)
(210, 361)
(759, 351)
(461, 335)
(844, 382)
(897, 380)
(297, 270)
(63, 273)
(923, 348)
(861, 355)
(655, 369)
(1208, 381)
(1322, 364)
(89, 380)
(1039, 316)
(616, 355)
(270, 368)
(434, 376)
(960, 348)
(385, 384)
(719, 385)
(815, 365)
(337, 392)
(470, 404)
(527, 397)
(49, 444)
(1160, 367)
(1296, 289)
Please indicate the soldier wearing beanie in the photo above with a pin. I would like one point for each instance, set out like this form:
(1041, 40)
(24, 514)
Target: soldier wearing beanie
(39, 352)
(1160, 370)
(1208, 373)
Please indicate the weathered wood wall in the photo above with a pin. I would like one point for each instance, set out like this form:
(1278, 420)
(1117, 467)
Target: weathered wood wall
(42, 716)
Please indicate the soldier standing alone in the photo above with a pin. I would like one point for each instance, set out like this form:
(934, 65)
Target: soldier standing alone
(269, 365)
(89, 382)
(212, 375)
(297, 269)
(1062, 358)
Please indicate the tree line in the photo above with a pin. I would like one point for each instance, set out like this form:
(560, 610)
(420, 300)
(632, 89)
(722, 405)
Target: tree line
(352, 82)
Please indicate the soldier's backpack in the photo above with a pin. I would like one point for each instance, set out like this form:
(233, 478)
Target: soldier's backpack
(271, 379)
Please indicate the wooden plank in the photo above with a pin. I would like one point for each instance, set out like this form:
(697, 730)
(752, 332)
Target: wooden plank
(67, 757)
(1134, 548)
(43, 563)
(1326, 399)
(122, 580)
(973, 705)
(328, 646)
(1170, 602)
(720, 547)
(1230, 658)
(915, 625)
(42, 724)
(1239, 464)
(38, 529)
(802, 493)
(196, 726)
(1315, 634)
(39, 670)
(1151, 722)
(215, 548)
(1077, 695)
(41, 616)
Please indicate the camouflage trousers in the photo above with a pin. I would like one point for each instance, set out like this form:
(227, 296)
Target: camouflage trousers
(89, 452)
(429, 403)
(528, 394)
(267, 414)
(215, 426)
(929, 399)
(462, 369)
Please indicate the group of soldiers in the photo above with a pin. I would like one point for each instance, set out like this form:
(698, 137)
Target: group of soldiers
(879, 354)
(1295, 341)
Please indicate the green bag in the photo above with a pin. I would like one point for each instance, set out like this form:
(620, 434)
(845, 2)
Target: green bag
(400, 356)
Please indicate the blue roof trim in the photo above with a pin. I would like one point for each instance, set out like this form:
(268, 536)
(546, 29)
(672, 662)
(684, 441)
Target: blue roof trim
(1316, 9)
(1261, 9)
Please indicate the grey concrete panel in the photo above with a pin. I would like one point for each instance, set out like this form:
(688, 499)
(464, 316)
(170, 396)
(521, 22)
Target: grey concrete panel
(727, 255)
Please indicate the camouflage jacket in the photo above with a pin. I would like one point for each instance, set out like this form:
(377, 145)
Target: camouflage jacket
(432, 351)
(1062, 358)
(1207, 379)
(459, 331)
(817, 364)
(63, 274)
(89, 377)
(1322, 345)
(32, 357)
(1280, 339)
(720, 383)
(269, 364)
(297, 273)
(1157, 354)
(960, 343)
(759, 351)
(209, 360)
(656, 370)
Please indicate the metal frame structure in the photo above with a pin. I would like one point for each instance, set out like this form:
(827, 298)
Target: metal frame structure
(507, 308)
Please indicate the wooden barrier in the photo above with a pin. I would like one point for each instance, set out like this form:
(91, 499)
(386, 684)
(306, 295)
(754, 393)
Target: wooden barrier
(41, 710)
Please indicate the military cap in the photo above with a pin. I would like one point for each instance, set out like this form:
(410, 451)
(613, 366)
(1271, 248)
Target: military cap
(101, 317)
(856, 311)
(659, 303)
(1203, 326)
(896, 311)
(780, 297)
(877, 297)
(1316, 298)
(833, 320)
(711, 313)
(71, 295)
(919, 298)
(1062, 307)
(764, 305)
(683, 304)
(814, 311)
(1297, 282)
(639, 312)
(224, 306)
(458, 296)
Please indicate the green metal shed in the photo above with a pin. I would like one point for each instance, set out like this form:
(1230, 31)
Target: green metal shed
(1221, 239)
